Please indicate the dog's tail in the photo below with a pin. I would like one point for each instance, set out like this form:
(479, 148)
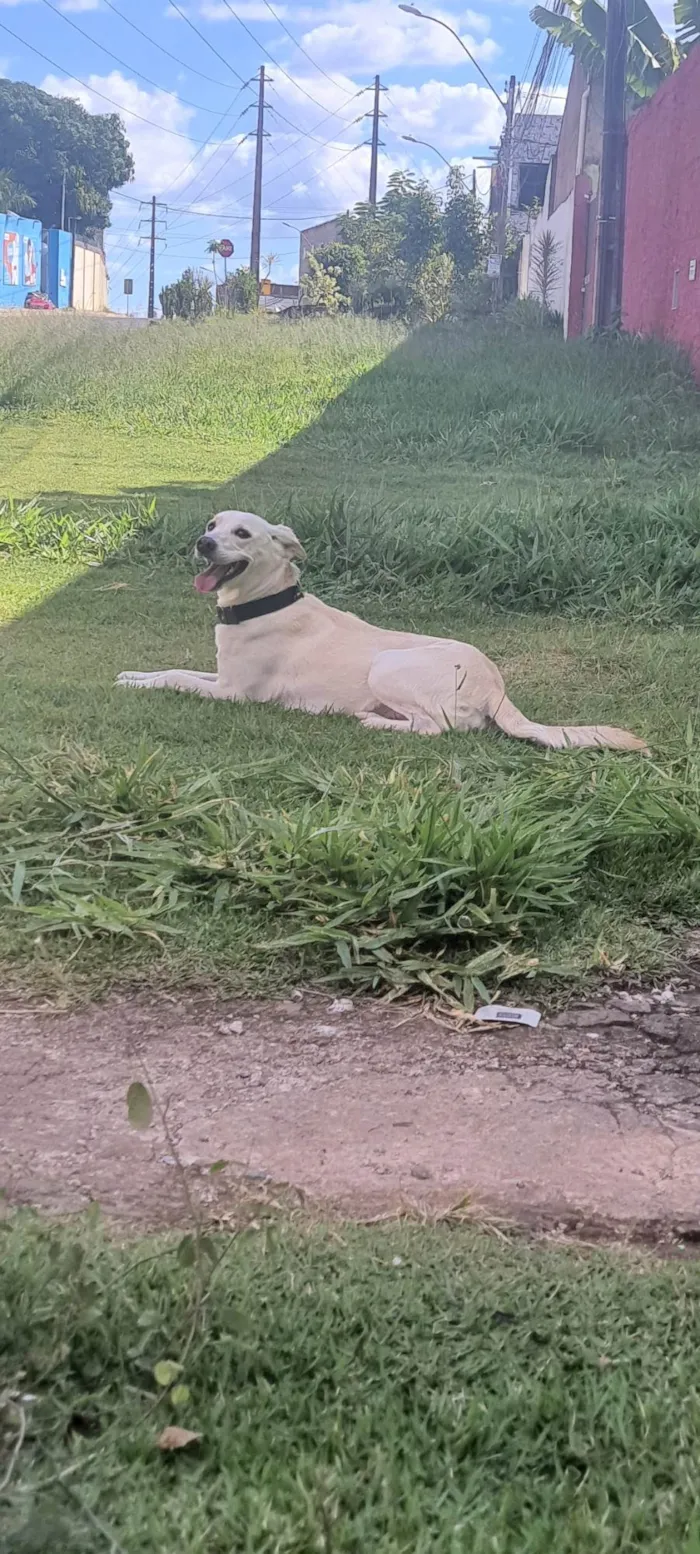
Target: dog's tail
(576, 736)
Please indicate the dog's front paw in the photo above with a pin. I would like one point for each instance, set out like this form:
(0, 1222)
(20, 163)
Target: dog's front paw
(137, 678)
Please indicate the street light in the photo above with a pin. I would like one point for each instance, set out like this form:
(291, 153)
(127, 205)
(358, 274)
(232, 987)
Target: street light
(412, 10)
(415, 142)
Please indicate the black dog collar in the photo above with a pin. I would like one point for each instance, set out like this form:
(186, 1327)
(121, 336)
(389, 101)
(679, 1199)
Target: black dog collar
(233, 614)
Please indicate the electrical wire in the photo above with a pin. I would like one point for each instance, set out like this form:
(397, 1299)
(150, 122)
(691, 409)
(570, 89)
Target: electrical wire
(205, 143)
(129, 112)
(209, 45)
(157, 45)
(125, 63)
(272, 59)
(301, 48)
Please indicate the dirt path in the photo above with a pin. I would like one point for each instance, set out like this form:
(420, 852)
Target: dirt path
(591, 1121)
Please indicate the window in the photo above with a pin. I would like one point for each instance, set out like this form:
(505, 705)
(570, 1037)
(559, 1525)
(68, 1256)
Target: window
(532, 179)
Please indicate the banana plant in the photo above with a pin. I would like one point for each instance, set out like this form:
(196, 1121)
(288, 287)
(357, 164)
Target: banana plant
(652, 53)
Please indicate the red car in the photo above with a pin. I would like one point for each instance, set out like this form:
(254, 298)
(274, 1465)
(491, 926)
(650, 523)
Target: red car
(36, 299)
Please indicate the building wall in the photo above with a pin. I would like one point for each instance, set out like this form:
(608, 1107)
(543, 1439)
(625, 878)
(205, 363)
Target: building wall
(89, 279)
(59, 262)
(316, 237)
(662, 218)
(20, 259)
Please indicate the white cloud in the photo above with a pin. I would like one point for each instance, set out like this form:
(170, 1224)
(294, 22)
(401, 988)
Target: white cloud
(454, 118)
(79, 5)
(356, 31)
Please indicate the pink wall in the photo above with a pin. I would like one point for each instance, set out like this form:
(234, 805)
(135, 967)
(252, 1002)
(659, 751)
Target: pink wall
(662, 226)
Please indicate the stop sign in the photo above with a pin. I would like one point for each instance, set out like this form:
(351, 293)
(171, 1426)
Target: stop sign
(226, 248)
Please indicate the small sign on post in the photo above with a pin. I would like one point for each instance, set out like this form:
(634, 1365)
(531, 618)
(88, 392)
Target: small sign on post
(128, 292)
(493, 266)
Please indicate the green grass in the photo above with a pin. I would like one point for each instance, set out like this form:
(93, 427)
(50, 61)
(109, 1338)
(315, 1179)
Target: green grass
(540, 500)
(405, 1390)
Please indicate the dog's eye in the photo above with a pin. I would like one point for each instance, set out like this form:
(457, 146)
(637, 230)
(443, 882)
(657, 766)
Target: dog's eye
(211, 525)
(242, 534)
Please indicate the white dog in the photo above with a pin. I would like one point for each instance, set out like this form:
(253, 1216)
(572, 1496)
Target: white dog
(274, 643)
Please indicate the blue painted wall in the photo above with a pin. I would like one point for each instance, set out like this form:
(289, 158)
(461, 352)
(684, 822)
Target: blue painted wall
(59, 256)
(20, 259)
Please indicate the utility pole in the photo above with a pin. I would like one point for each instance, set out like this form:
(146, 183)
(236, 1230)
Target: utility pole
(374, 159)
(257, 181)
(63, 201)
(501, 231)
(152, 264)
(151, 221)
(611, 199)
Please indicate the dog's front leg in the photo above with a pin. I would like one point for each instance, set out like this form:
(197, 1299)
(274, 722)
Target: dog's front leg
(172, 680)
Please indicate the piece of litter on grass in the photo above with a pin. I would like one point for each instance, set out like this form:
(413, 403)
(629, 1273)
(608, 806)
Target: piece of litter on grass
(174, 1438)
(230, 1028)
(341, 1006)
(326, 1030)
(500, 1014)
(397, 1262)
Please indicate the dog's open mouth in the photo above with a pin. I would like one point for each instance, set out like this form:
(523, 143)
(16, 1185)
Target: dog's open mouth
(215, 576)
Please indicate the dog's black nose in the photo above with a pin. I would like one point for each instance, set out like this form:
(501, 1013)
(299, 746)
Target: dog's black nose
(206, 545)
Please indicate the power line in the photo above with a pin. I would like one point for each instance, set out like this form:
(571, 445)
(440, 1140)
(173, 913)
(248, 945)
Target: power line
(301, 48)
(227, 188)
(295, 127)
(326, 169)
(209, 45)
(130, 112)
(272, 59)
(157, 45)
(125, 63)
(205, 143)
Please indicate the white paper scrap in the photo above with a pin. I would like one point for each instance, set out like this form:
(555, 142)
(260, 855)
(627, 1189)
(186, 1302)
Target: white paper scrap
(500, 1014)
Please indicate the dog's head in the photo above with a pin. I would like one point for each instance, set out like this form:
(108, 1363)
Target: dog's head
(235, 544)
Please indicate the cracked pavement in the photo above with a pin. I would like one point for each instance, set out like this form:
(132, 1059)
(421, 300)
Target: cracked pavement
(590, 1123)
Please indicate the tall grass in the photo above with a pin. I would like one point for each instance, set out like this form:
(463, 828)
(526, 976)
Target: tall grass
(242, 378)
(386, 886)
(491, 392)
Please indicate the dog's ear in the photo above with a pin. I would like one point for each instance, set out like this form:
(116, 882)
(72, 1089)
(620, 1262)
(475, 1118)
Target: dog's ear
(292, 547)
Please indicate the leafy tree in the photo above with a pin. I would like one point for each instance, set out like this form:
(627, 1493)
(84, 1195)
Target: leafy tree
(415, 208)
(465, 225)
(242, 291)
(43, 138)
(189, 298)
(13, 197)
(213, 249)
(433, 287)
(349, 264)
(385, 249)
(321, 286)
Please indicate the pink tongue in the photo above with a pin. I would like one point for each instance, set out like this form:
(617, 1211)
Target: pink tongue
(206, 582)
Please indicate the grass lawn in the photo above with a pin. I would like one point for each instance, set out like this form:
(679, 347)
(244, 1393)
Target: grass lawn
(539, 500)
(405, 1390)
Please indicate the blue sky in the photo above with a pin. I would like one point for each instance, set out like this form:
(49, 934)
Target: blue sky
(188, 114)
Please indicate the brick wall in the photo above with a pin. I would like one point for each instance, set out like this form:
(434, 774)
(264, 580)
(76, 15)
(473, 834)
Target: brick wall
(662, 225)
